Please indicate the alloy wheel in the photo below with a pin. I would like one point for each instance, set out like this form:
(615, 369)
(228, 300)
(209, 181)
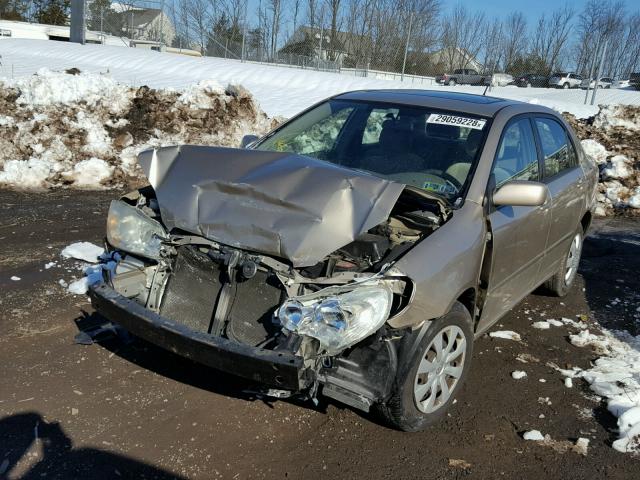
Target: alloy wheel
(573, 259)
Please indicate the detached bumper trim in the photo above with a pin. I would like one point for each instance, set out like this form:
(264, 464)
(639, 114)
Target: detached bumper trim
(282, 370)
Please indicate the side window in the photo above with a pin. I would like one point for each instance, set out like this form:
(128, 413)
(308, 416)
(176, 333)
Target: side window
(517, 158)
(373, 127)
(559, 154)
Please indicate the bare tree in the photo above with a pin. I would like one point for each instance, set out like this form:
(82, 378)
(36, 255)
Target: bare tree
(514, 38)
(462, 37)
(551, 36)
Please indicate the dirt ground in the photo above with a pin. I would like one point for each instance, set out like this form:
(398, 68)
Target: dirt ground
(135, 411)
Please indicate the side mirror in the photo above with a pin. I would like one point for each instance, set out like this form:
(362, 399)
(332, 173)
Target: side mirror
(520, 193)
(248, 140)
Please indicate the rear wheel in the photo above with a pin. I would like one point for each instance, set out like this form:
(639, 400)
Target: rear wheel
(560, 284)
(452, 82)
(426, 387)
(528, 84)
(565, 85)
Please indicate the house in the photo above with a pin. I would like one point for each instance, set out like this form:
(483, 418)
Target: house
(146, 24)
(39, 31)
(452, 58)
(307, 41)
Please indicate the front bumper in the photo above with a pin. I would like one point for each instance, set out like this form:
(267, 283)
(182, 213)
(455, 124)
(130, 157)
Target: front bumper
(278, 369)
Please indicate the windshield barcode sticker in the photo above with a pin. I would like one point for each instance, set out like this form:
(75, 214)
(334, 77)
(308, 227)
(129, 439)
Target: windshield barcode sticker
(476, 124)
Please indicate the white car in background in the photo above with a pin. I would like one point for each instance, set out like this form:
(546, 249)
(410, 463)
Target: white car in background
(499, 80)
(621, 83)
(604, 82)
(565, 80)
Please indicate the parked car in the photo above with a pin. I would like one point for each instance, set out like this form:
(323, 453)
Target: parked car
(604, 82)
(624, 83)
(498, 79)
(466, 76)
(634, 80)
(357, 250)
(565, 80)
(532, 80)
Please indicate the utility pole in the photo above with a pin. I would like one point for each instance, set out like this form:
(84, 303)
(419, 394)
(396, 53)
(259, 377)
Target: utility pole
(78, 22)
(101, 25)
(320, 52)
(161, 24)
(244, 31)
(593, 65)
(595, 88)
(406, 47)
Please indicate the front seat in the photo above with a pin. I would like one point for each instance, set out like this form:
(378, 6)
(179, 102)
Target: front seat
(393, 154)
(460, 170)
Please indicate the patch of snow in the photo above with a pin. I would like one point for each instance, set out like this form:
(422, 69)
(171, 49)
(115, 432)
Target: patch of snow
(51, 88)
(86, 251)
(533, 435)
(542, 325)
(595, 150)
(90, 173)
(610, 116)
(619, 167)
(506, 334)
(518, 374)
(15, 279)
(568, 382)
(554, 322)
(47, 266)
(32, 173)
(616, 377)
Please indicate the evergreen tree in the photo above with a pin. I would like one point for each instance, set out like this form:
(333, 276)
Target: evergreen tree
(13, 10)
(52, 12)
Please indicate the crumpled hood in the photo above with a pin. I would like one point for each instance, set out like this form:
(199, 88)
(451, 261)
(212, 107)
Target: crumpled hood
(280, 204)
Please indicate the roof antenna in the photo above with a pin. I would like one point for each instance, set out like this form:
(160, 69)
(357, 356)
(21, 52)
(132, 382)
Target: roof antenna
(486, 88)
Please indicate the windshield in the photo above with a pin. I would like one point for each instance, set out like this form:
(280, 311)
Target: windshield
(428, 149)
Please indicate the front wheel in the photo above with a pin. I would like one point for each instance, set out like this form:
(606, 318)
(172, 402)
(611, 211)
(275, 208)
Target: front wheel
(452, 82)
(560, 284)
(426, 387)
(565, 86)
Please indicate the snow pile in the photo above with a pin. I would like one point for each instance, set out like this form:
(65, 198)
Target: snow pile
(615, 376)
(518, 374)
(612, 139)
(48, 88)
(85, 130)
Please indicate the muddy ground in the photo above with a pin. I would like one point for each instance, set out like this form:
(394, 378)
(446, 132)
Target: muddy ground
(136, 411)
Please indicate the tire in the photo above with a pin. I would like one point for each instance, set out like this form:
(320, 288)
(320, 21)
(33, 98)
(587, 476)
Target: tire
(401, 410)
(528, 84)
(560, 284)
(452, 82)
(566, 85)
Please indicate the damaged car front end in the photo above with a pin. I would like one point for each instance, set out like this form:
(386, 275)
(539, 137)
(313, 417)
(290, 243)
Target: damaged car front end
(235, 260)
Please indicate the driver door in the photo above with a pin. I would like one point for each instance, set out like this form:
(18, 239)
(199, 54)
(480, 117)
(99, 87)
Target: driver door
(519, 234)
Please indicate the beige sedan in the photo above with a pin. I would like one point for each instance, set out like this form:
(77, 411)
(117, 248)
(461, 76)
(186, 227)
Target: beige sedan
(357, 250)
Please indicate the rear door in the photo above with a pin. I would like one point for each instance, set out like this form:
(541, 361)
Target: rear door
(564, 177)
(519, 234)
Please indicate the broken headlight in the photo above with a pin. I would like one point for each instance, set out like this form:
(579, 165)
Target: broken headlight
(341, 320)
(129, 229)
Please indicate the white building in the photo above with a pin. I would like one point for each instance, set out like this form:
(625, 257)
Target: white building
(39, 31)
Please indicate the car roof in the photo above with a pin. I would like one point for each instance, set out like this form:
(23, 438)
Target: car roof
(443, 100)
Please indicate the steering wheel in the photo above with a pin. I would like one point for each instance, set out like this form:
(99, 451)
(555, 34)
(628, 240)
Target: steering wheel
(451, 180)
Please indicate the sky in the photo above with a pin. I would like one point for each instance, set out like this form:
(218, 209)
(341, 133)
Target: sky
(532, 9)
